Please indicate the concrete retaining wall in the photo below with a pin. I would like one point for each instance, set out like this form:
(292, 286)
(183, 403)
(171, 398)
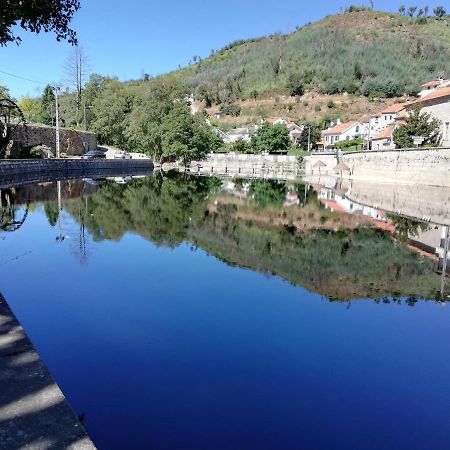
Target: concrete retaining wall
(409, 166)
(272, 166)
(72, 142)
(24, 171)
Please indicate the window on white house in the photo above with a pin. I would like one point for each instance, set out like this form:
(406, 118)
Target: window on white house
(447, 131)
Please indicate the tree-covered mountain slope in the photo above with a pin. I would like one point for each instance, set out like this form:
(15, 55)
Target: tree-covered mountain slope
(369, 52)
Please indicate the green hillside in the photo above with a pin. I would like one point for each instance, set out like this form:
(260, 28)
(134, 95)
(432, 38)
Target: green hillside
(369, 52)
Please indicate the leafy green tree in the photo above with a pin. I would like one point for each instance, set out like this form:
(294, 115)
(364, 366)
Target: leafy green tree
(31, 108)
(404, 227)
(51, 212)
(186, 137)
(268, 192)
(241, 146)
(48, 106)
(4, 92)
(439, 11)
(314, 136)
(412, 10)
(295, 85)
(402, 10)
(271, 138)
(418, 124)
(110, 114)
(37, 16)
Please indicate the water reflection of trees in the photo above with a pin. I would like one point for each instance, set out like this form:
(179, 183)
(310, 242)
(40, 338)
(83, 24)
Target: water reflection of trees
(337, 262)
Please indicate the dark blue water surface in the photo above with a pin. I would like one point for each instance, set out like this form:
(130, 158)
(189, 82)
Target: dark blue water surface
(164, 346)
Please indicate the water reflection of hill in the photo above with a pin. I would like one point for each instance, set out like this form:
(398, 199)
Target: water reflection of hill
(334, 254)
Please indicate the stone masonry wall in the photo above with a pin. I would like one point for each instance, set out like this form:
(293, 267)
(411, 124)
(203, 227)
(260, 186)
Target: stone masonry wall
(72, 142)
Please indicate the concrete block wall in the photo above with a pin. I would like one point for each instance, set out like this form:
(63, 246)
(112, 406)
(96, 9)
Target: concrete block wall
(72, 142)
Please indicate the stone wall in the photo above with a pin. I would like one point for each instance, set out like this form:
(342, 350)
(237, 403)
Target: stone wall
(427, 166)
(71, 142)
(268, 166)
(23, 171)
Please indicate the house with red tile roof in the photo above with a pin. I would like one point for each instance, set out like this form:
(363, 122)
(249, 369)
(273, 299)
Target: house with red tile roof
(431, 86)
(437, 104)
(389, 114)
(384, 140)
(341, 132)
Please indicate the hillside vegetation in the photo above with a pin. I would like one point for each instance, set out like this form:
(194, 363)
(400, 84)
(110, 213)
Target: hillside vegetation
(368, 52)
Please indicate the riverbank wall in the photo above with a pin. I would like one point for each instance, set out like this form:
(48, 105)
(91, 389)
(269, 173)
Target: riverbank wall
(248, 166)
(34, 413)
(14, 172)
(424, 166)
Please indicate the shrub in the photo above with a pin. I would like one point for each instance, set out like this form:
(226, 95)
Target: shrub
(231, 110)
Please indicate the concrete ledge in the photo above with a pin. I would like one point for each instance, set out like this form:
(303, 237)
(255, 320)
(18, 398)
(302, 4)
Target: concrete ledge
(34, 414)
(25, 171)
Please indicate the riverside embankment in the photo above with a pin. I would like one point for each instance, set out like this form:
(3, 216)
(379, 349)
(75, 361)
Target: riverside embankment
(40, 170)
(427, 166)
(424, 166)
(34, 413)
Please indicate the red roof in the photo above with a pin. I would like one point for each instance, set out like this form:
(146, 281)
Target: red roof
(395, 108)
(437, 94)
(385, 134)
(431, 84)
(341, 128)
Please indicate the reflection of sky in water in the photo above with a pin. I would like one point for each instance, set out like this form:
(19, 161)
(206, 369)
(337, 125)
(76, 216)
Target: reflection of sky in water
(171, 348)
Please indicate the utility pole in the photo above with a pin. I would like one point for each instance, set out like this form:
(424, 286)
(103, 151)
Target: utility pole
(56, 89)
(369, 135)
(309, 138)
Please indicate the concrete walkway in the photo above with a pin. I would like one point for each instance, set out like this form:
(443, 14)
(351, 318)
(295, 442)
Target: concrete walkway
(34, 413)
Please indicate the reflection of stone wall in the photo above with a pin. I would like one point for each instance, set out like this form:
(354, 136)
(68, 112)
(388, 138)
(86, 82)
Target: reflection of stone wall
(428, 203)
(414, 166)
(71, 142)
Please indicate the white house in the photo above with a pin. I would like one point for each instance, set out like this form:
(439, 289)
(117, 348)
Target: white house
(390, 114)
(295, 131)
(384, 140)
(341, 132)
(244, 134)
(431, 86)
(437, 104)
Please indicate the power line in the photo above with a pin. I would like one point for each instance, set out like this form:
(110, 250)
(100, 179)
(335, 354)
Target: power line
(22, 78)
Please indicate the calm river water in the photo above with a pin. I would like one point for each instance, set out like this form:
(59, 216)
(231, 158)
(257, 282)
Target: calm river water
(197, 313)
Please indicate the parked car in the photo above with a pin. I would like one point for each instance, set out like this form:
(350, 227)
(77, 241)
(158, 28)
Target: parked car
(122, 155)
(94, 154)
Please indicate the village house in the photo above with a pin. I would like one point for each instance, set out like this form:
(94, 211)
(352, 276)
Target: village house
(243, 134)
(295, 131)
(431, 86)
(437, 104)
(384, 140)
(341, 132)
(389, 115)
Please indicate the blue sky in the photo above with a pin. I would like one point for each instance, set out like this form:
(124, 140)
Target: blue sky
(129, 38)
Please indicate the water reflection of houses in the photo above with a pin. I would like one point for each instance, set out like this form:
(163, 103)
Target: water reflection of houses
(336, 201)
(430, 240)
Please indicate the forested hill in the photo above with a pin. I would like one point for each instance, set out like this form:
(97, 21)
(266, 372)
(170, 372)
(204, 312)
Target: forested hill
(362, 51)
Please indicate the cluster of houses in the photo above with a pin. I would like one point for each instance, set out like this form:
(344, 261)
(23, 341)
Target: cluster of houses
(376, 131)
(246, 133)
